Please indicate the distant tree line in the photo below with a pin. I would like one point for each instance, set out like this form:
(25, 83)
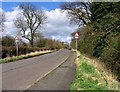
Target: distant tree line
(99, 31)
(9, 48)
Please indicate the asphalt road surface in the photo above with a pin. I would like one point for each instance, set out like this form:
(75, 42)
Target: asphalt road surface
(21, 74)
(60, 78)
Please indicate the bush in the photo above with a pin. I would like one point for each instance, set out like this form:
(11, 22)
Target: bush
(11, 51)
(109, 58)
(5, 51)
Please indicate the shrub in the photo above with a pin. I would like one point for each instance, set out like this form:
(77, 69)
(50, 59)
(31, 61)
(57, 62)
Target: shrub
(109, 58)
(11, 51)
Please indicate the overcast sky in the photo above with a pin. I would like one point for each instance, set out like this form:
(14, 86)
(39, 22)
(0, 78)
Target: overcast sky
(57, 27)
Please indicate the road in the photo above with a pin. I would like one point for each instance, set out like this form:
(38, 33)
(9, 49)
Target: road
(60, 78)
(21, 74)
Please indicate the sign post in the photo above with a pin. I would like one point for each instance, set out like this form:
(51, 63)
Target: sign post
(16, 42)
(76, 37)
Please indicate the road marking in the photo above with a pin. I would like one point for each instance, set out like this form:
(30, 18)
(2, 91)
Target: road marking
(47, 73)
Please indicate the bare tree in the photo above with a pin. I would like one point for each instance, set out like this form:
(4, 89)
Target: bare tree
(30, 21)
(2, 20)
(79, 12)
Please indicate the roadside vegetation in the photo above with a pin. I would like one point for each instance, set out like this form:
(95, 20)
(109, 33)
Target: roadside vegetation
(99, 38)
(99, 31)
(41, 46)
(28, 55)
(91, 75)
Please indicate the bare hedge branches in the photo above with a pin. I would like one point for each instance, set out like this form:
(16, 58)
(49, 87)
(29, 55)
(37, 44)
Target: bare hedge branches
(79, 12)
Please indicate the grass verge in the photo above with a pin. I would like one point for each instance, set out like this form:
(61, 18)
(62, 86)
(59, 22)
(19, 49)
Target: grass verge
(90, 75)
(29, 55)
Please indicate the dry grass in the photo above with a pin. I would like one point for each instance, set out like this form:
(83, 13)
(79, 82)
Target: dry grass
(107, 76)
(28, 55)
(105, 79)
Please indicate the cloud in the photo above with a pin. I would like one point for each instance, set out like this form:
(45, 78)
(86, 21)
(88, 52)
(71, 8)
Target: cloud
(57, 26)
(1, 10)
(10, 16)
(10, 29)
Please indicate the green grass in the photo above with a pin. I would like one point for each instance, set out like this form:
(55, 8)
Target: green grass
(89, 78)
(87, 68)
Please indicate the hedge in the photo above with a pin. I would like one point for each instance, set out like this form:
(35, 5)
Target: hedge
(11, 51)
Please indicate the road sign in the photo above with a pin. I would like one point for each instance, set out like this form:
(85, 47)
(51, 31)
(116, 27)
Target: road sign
(16, 39)
(76, 35)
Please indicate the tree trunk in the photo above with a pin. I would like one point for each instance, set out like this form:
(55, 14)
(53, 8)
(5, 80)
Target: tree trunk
(31, 43)
(32, 40)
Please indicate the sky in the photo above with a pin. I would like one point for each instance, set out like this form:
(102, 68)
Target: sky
(8, 6)
(57, 26)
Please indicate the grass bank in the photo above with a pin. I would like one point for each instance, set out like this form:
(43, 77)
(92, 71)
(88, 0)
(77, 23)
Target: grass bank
(29, 55)
(91, 75)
